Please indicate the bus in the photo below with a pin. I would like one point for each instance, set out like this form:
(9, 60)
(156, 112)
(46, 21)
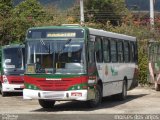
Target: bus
(12, 68)
(154, 64)
(72, 62)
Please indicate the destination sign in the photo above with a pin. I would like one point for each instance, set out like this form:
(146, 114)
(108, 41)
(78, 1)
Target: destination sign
(55, 33)
(69, 34)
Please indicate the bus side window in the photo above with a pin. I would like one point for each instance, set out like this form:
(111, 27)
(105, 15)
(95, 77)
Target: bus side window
(132, 51)
(106, 50)
(150, 52)
(120, 51)
(113, 51)
(155, 51)
(91, 57)
(98, 49)
(158, 53)
(23, 52)
(136, 52)
(126, 51)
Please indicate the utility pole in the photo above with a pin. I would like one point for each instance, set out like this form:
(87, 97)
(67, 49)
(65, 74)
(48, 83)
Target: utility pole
(152, 14)
(81, 12)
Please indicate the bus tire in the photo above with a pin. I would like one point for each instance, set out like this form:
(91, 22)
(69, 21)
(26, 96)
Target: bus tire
(2, 92)
(98, 98)
(46, 103)
(123, 95)
(157, 86)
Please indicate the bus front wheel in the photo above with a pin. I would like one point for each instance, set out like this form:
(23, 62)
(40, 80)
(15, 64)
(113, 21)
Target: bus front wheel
(98, 97)
(4, 94)
(46, 103)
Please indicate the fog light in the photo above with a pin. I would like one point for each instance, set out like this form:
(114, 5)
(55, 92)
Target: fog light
(39, 94)
(91, 81)
(78, 87)
(67, 95)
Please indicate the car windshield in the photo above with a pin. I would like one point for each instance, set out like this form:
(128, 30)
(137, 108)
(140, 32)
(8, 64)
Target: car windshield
(13, 58)
(56, 56)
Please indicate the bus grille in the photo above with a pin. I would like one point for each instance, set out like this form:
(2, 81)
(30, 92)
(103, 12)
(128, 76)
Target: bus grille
(16, 82)
(55, 85)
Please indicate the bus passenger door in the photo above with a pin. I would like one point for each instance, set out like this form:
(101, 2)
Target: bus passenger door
(91, 57)
(99, 57)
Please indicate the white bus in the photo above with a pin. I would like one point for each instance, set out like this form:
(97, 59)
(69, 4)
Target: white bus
(78, 63)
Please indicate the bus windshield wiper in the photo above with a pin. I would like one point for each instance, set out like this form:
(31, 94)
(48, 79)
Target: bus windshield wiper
(64, 46)
(45, 46)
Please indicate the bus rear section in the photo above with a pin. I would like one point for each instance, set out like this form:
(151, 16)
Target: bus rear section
(12, 70)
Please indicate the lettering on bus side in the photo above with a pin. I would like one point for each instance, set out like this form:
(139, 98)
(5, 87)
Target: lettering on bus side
(114, 71)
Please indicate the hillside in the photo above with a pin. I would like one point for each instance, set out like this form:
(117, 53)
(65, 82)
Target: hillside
(131, 4)
(142, 5)
(62, 4)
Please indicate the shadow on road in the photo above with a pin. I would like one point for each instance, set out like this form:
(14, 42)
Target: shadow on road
(107, 102)
(12, 94)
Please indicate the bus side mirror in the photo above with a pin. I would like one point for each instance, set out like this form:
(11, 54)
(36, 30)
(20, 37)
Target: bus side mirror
(7, 61)
(69, 54)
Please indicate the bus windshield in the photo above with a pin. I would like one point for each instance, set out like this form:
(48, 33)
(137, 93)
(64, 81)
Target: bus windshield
(13, 58)
(56, 56)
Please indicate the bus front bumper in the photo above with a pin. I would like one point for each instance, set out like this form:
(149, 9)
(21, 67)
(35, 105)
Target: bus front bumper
(80, 95)
(12, 87)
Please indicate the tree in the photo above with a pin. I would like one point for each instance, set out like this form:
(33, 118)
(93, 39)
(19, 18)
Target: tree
(5, 18)
(5, 8)
(25, 15)
(105, 10)
(29, 9)
(53, 17)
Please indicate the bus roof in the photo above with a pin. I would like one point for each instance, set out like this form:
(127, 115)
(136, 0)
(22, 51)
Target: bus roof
(56, 27)
(98, 32)
(92, 31)
(13, 46)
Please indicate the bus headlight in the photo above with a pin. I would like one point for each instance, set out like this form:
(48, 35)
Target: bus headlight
(78, 87)
(91, 81)
(5, 80)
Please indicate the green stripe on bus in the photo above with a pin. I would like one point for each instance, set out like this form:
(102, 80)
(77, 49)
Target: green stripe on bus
(30, 86)
(53, 76)
(78, 86)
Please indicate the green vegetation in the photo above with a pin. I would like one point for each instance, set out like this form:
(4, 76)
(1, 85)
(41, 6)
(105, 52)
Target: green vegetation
(110, 15)
(5, 21)
(61, 4)
(105, 10)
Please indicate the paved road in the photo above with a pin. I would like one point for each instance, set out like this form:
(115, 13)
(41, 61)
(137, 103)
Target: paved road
(139, 101)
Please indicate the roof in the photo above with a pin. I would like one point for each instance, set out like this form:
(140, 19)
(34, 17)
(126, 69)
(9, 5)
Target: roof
(57, 27)
(13, 46)
(111, 34)
(91, 30)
